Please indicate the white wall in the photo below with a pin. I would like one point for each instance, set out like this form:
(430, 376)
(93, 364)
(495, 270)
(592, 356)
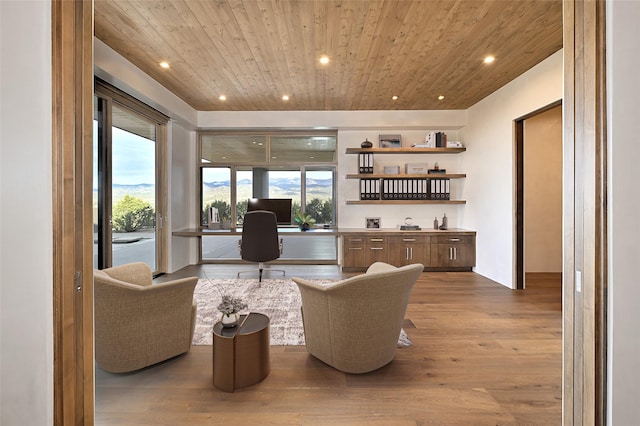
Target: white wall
(489, 162)
(26, 257)
(181, 155)
(623, 92)
(352, 216)
(345, 120)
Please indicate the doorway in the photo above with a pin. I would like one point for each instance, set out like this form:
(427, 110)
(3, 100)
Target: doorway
(539, 193)
(128, 198)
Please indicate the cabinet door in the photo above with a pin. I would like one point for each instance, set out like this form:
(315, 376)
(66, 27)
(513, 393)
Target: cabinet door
(354, 252)
(453, 251)
(410, 249)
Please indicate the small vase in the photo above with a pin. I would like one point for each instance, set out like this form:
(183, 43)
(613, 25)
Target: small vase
(304, 227)
(230, 320)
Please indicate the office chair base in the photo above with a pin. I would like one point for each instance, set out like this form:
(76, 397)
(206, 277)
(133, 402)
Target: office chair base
(260, 268)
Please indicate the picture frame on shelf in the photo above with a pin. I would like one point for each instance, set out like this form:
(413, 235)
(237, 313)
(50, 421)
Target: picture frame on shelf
(372, 222)
(390, 141)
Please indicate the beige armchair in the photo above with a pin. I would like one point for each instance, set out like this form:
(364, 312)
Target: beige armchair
(138, 323)
(353, 325)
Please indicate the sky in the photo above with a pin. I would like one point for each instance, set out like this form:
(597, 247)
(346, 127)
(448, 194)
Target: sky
(133, 158)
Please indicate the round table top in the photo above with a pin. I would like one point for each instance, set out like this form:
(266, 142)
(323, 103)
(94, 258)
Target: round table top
(249, 323)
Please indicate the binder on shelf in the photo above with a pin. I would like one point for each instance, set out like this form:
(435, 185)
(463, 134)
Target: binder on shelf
(365, 163)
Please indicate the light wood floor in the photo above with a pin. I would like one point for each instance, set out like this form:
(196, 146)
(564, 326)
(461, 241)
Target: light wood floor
(482, 355)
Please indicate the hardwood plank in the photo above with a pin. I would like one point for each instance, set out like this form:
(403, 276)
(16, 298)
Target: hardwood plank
(481, 354)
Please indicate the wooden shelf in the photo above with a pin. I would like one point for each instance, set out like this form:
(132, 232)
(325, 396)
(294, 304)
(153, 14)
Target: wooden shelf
(406, 176)
(405, 150)
(406, 202)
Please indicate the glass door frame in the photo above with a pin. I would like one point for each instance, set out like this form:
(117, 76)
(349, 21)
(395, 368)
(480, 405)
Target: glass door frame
(105, 97)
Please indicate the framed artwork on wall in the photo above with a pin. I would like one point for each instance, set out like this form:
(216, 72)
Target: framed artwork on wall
(390, 141)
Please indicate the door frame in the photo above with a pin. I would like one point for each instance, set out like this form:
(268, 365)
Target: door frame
(584, 118)
(72, 169)
(108, 97)
(518, 124)
(584, 214)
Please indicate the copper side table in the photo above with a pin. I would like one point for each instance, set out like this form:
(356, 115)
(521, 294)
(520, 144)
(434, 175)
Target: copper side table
(241, 353)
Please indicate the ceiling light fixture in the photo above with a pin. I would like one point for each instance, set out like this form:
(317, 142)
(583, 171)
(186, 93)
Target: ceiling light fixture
(489, 59)
(441, 97)
(222, 97)
(164, 64)
(285, 97)
(394, 97)
(324, 59)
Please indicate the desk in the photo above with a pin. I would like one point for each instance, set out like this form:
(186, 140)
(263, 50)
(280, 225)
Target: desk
(288, 231)
(241, 354)
(317, 246)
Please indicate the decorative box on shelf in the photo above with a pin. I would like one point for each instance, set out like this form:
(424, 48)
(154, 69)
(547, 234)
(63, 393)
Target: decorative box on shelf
(416, 168)
(391, 170)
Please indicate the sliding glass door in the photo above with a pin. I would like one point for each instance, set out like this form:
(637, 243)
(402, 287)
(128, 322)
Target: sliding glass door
(127, 212)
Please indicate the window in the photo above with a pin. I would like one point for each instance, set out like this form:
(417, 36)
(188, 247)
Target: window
(270, 165)
(236, 166)
(129, 201)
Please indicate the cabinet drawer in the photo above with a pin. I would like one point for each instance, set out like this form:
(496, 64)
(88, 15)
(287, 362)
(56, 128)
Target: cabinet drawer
(410, 239)
(452, 239)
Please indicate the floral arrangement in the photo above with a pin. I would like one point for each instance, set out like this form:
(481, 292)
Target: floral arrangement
(230, 305)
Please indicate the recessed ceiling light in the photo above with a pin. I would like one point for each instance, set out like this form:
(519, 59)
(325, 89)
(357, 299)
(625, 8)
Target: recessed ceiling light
(285, 97)
(394, 97)
(324, 59)
(164, 64)
(489, 59)
(222, 97)
(440, 97)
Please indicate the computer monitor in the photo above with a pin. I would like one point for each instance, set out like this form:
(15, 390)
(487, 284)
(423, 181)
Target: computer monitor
(280, 206)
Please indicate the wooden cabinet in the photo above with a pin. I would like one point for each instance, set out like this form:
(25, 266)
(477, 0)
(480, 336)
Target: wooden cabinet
(437, 250)
(377, 188)
(354, 251)
(453, 251)
(361, 250)
(377, 249)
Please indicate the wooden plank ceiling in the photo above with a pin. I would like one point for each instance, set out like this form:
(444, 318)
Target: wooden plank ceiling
(256, 51)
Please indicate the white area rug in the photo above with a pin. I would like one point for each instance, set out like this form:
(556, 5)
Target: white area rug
(279, 299)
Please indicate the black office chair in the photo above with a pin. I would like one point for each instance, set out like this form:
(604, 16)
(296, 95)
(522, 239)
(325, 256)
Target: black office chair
(260, 242)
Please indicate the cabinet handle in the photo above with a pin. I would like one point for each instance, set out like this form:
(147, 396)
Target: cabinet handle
(450, 253)
(408, 240)
(406, 253)
(454, 239)
(377, 248)
(455, 253)
(411, 253)
(355, 248)
(355, 239)
(376, 240)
